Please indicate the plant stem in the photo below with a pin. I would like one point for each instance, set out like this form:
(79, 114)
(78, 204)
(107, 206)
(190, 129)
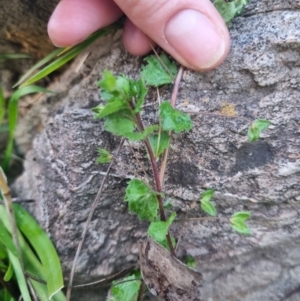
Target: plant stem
(157, 181)
(176, 86)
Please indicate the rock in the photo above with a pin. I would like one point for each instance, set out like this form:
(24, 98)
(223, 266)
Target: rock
(260, 81)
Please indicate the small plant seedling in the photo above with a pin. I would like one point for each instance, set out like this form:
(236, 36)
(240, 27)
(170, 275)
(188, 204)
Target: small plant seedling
(123, 102)
(238, 222)
(206, 205)
(256, 128)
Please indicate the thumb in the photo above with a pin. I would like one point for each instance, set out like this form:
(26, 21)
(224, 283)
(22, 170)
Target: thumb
(192, 31)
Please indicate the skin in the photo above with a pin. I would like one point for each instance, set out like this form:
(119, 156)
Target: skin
(192, 31)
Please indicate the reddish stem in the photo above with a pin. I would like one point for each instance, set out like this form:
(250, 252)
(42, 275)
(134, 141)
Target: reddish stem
(157, 181)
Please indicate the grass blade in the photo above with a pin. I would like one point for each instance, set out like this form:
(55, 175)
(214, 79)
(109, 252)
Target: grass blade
(67, 56)
(13, 117)
(2, 105)
(6, 239)
(43, 247)
(39, 64)
(6, 56)
(32, 264)
(9, 272)
(19, 276)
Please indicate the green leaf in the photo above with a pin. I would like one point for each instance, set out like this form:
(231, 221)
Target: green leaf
(109, 82)
(238, 220)
(19, 276)
(230, 9)
(115, 88)
(44, 249)
(207, 195)
(165, 244)
(206, 205)
(123, 86)
(122, 90)
(159, 229)
(13, 117)
(174, 120)
(13, 56)
(190, 261)
(39, 64)
(256, 128)
(136, 136)
(141, 200)
(209, 208)
(3, 252)
(105, 156)
(156, 74)
(159, 143)
(6, 239)
(139, 91)
(128, 290)
(241, 216)
(110, 108)
(119, 123)
(241, 228)
(9, 273)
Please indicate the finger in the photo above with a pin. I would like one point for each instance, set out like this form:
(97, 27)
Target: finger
(135, 41)
(192, 31)
(74, 20)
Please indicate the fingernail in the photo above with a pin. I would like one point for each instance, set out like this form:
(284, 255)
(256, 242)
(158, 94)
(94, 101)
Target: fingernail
(195, 38)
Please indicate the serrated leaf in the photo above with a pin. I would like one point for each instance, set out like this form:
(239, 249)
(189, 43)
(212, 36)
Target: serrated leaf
(128, 290)
(207, 195)
(119, 124)
(156, 74)
(105, 156)
(110, 108)
(209, 208)
(159, 143)
(108, 82)
(141, 200)
(241, 216)
(159, 229)
(241, 228)
(174, 120)
(230, 9)
(256, 128)
(123, 86)
(190, 261)
(122, 89)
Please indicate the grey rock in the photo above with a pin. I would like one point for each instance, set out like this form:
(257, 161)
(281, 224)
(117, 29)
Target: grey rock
(261, 79)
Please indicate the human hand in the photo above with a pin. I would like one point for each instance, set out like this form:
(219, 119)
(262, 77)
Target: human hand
(192, 31)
